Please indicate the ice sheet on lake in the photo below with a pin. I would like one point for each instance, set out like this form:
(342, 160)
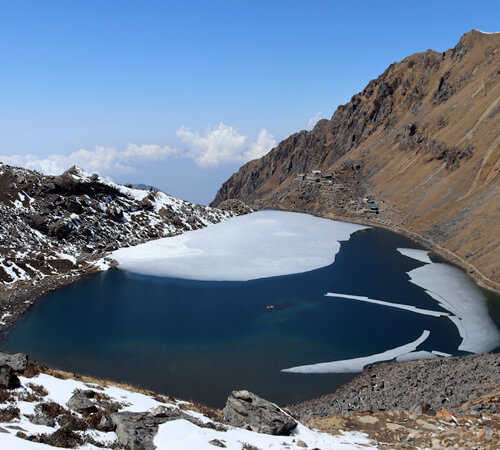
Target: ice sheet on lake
(357, 364)
(413, 253)
(426, 312)
(456, 293)
(257, 245)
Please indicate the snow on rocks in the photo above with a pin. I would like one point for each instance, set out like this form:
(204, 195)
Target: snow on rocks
(257, 245)
(88, 414)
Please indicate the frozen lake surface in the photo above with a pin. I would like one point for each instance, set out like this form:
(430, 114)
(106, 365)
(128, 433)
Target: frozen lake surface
(258, 245)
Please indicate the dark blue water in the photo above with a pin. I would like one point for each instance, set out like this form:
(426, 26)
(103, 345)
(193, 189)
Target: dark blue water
(200, 340)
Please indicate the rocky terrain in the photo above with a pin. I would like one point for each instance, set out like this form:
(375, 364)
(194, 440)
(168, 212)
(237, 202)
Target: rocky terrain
(423, 386)
(40, 407)
(57, 229)
(449, 402)
(417, 151)
(381, 408)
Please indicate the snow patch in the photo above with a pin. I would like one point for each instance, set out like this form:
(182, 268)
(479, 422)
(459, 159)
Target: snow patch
(357, 364)
(103, 264)
(257, 245)
(70, 258)
(184, 435)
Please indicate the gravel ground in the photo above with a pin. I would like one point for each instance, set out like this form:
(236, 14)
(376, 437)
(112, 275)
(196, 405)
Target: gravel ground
(415, 386)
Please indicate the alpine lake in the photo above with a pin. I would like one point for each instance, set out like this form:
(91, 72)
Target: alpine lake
(199, 340)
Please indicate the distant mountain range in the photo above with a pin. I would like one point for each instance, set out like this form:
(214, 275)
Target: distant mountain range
(418, 150)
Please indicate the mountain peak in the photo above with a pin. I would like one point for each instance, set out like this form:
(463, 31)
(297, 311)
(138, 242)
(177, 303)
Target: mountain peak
(422, 141)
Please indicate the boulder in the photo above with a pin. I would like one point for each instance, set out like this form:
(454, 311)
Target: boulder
(246, 410)
(136, 430)
(42, 419)
(106, 424)
(81, 401)
(19, 362)
(8, 379)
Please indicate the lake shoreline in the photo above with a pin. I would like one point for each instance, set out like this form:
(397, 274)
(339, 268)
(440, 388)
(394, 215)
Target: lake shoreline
(22, 297)
(25, 297)
(472, 271)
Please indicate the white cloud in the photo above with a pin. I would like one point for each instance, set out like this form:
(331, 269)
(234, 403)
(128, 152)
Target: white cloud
(313, 120)
(103, 160)
(224, 144)
(265, 142)
(221, 145)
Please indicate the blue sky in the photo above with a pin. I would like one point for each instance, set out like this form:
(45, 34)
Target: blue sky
(180, 94)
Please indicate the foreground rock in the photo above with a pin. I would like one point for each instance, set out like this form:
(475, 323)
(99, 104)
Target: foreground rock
(8, 379)
(246, 410)
(137, 430)
(140, 420)
(18, 361)
(81, 401)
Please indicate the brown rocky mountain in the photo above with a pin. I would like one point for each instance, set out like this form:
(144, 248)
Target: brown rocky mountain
(421, 143)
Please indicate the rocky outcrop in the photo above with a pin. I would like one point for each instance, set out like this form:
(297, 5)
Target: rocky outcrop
(8, 379)
(19, 362)
(136, 430)
(10, 366)
(422, 141)
(413, 386)
(246, 410)
(81, 401)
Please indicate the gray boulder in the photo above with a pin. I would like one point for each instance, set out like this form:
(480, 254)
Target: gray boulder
(19, 361)
(106, 424)
(81, 401)
(136, 430)
(8, 379)
(246, 410)
(42, 419)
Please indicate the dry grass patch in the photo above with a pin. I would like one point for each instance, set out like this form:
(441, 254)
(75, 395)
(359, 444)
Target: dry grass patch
(10, 413)
(39, 389)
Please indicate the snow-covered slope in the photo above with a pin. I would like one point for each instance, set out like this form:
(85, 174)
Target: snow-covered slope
(38, 413)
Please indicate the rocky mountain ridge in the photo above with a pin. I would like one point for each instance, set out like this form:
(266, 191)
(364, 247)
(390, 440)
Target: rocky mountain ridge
(55, 229)
(417, 151)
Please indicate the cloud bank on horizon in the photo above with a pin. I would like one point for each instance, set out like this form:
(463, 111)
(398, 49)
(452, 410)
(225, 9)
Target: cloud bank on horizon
(215, 147)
